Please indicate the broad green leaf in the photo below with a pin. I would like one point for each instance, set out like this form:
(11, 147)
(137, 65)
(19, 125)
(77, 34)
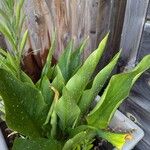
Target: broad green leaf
(6, 65)
(44, 86)
(116, 139)
(59, 81)
(78, 140)
(76, 130)
(25, 78)
(76, 62)
(51, 116)
(67, 109)
(100, 79)
(51, 73)
(36, 144)
(46, 90)
(24, 105)
(78, 82)
(64, 61)
(12, 61)
(54, 115)
(117, 90)
(54, 124)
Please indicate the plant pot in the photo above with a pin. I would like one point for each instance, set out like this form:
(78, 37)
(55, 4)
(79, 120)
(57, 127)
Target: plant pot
(3, 145)
(121, 122)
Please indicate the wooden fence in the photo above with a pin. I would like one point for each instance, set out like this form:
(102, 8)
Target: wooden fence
(138, 103)
(77, 19)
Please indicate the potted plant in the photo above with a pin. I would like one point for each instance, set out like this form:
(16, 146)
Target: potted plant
(56, 112)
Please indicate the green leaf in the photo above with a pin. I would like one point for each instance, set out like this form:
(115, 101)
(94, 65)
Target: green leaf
(117, 90)
(116, 139)
(23, 42)
(54, 115)
(4, 16)
(36, 144)
(59, 81)
(3, 52)
(54, 124)
(100, 79)
(5, 5)
(25, 78)
(78, 82)
(46, 90)
(77, 140)
(22, 20)
(64, 61)
(25, 107)
(10, 3)
(12, 61)
(67, 109)
(76, 62)
(5, 64)
(6, 32)
(18, 12)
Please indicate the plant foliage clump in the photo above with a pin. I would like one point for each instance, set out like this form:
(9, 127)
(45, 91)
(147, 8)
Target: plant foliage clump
(55, 113)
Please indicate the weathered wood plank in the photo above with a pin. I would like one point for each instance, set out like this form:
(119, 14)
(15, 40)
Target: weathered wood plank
(38, 26)
(144, 48)
(142, 117)
(142, 146)
(141, 92)
(132, 30)
(76, 20)
(138, 104)
(148, 12)
(135, 44)
(114, 23)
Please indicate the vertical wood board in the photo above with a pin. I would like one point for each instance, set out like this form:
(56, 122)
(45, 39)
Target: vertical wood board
(144, 47)
(75, 19)
(132, 30)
